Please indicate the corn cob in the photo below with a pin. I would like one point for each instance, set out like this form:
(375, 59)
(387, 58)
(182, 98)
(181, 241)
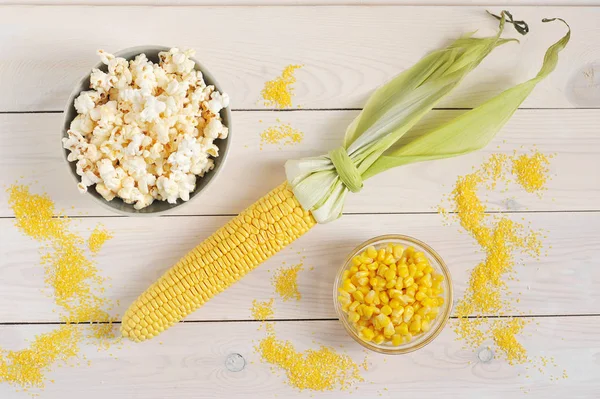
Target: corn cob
(321, 183)
(253, 236)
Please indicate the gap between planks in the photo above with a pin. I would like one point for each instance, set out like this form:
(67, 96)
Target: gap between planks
(534, 316)
(319, 110)
(506, 212)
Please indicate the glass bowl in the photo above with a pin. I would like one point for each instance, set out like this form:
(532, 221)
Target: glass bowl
(439, 322)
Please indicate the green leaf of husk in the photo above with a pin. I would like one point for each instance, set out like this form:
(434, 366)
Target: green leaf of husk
(390, 112)
(474, 129)
(371, 140)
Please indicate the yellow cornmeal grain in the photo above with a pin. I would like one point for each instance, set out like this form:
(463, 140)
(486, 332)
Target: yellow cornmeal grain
(494, 169)
(68, 271)
(320, 370)
(282, 134)
(504, 333)
(34, 214)
(278, 92)
(365, 363)
(531, 171)
(499, 237)
(27, 368)
(262, 310)
(73, 278)
(97, 239)
(285, 282)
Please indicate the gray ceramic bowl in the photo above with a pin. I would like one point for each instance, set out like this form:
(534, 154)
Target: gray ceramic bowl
(157, 207)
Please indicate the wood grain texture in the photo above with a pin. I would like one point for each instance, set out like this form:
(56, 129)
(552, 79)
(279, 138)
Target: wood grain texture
(346, 51)
(503, 3)
(189, 362)
(31, 150)
(566, 281)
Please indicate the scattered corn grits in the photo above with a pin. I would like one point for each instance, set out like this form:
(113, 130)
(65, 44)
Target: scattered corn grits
(282, 134)
(531, 171)
(97, 239)
(319, 370)
(504, 333)
(500, 238)
(73, 279)
(28, 367)
(279, 91)
(285, 282)
(494, 170)
(262, 310)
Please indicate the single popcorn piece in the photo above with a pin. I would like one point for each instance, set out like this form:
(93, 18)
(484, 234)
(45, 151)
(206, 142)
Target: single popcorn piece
(100, 81)
(215, 129)
(107, 194)
(146, 131)
(152, 109)
(86, 102)
(217, 102)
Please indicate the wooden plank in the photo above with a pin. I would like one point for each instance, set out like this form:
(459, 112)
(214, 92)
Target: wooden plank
(30, 150)
(189, 361)
(567, 281)
(346, 51)
(504, 3)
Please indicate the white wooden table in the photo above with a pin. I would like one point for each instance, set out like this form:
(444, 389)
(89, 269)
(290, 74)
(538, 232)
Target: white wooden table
(347, 51)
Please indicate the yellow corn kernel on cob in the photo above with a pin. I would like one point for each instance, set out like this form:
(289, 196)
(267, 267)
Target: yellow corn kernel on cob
(249, 239)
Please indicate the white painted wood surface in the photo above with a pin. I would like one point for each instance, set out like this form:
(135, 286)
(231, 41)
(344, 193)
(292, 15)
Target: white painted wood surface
(347, 52)
(189, 362)
(568, 278)
(496, 3)
(32, 151)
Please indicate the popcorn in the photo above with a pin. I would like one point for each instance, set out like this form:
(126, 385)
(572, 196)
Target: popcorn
(178, 185)
(188, 154)
(146, 131)
(217, 102)
(82, 124)
(215, 129)
(143, 202)
(109, 175)
(86, 102)
(131, 100)
(152, 109)
(134, 146)
(107, 194)
(143, 73)
(105, 57)
(176, 61)
(100, 81)
(105, 114)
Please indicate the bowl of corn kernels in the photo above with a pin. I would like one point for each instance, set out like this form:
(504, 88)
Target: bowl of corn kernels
(393, 294)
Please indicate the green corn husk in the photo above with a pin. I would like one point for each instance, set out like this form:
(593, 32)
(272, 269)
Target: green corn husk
(321, 183)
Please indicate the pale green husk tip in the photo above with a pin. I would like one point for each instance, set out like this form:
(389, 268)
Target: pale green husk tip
(371, 142)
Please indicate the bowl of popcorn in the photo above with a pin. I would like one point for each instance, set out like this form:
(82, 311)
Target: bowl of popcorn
(393, 294)
(147, 130)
